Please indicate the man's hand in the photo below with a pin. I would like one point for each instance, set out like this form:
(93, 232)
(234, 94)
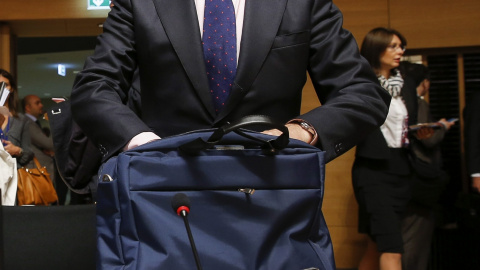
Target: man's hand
(424, 133)
(50, 153)
(140, 139)
(12, 149)
(447, 124)
(476, 184)
(295, 132)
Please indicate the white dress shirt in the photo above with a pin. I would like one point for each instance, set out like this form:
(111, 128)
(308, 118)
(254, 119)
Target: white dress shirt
(34, 119)
(392, 129)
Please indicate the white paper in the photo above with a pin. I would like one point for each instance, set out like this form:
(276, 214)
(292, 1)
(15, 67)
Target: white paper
(3, 93)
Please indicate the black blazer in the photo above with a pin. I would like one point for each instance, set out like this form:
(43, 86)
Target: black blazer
(472, 133)
(375, 146)
(19, 135)
(281, 41)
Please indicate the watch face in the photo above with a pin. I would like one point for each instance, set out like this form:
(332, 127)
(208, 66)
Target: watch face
(305, 125)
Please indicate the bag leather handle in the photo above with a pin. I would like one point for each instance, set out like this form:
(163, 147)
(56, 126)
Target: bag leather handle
(252, 120)
(37, 164)
(248, 121)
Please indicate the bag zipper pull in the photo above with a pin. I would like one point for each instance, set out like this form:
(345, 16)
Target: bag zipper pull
(107, 178)
(249, 191)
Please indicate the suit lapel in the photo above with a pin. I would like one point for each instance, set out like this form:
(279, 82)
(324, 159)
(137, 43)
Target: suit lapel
(179, 19)
(261, 22)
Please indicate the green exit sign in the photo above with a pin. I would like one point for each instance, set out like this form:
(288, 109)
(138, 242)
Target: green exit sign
(98, 4)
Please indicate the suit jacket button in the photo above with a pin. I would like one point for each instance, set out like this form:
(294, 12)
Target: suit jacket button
(103, 150)
(338, 148)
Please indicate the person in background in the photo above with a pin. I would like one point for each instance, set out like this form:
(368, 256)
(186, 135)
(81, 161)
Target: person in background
(381, 171)
(472, 139)
(429, 179)
(42, 145)
(15, 129)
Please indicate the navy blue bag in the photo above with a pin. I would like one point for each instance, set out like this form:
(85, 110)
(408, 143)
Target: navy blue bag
(255, 203)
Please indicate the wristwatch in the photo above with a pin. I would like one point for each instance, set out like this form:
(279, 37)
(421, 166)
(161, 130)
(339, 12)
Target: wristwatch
(307, 127)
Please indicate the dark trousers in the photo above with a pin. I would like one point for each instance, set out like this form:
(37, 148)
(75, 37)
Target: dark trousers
(418, 226)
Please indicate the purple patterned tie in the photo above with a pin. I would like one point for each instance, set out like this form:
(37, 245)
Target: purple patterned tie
(219, 49)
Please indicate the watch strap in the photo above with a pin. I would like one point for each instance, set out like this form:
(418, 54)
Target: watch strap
(307, 127)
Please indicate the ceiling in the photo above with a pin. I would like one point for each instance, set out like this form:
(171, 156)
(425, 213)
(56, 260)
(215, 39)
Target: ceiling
(38, 59)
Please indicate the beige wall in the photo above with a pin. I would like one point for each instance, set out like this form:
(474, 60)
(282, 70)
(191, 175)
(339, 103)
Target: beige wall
(360, 16)
(437, 23)
(5, 50)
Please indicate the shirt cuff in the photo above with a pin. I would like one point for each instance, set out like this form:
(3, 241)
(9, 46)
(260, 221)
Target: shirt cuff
(475, 175)
(142, 138)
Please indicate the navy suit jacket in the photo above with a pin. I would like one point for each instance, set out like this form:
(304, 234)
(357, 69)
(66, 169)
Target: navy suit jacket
(281, 41)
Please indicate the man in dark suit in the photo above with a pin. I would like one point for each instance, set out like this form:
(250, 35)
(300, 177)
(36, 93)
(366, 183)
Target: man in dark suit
(472, 139)
(277, 43)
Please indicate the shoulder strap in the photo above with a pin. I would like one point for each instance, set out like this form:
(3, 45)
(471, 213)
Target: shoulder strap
(76, 157)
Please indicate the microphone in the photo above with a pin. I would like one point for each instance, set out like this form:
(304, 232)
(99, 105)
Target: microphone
(181, 206)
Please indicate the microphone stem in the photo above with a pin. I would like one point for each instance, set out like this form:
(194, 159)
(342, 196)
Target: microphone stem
(192, 243)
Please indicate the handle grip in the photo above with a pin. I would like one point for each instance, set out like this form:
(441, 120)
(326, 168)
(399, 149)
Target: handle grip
(252, 120)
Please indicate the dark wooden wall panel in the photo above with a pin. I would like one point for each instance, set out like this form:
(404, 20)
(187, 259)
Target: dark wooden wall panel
(437, 23)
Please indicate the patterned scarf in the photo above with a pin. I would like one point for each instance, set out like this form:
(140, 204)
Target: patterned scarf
(393, 84)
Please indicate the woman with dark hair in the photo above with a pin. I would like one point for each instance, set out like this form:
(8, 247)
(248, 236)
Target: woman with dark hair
(14, 133)
(381, 171)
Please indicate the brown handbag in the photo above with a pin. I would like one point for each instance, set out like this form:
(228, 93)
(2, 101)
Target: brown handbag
(35, 186)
